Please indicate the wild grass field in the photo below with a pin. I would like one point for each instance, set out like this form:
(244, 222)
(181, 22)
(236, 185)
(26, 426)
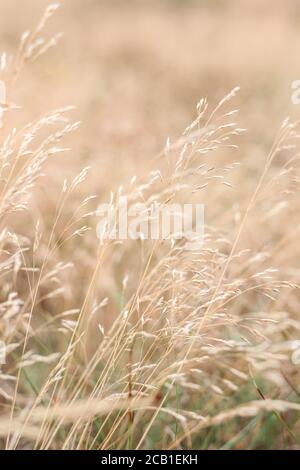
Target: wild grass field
(143, 344)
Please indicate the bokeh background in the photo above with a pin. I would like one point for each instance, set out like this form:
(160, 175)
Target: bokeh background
(135, 70)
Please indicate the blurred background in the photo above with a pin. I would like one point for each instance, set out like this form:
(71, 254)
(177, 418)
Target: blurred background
(135, 69)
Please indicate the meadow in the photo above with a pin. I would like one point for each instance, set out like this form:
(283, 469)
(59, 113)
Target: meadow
(136, 343)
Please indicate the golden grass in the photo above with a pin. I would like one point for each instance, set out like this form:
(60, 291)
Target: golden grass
(144, 344)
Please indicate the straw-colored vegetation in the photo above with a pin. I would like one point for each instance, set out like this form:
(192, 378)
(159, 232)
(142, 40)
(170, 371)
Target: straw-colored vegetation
(144, 344)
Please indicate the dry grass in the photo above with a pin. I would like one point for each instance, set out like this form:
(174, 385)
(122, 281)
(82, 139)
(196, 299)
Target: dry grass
(144, 344)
